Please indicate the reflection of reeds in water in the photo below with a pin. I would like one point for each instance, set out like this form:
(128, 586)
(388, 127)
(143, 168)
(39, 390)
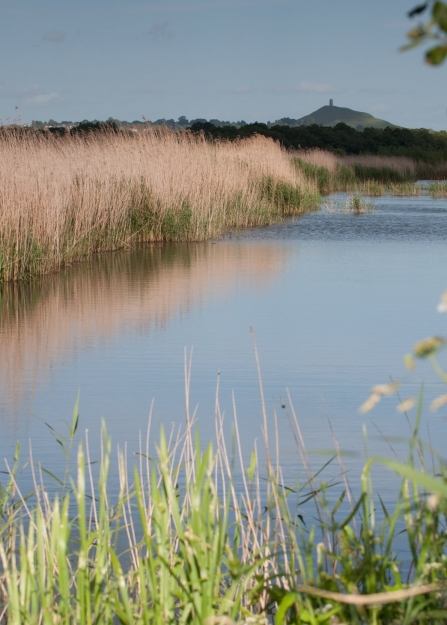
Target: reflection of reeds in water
(47, 321)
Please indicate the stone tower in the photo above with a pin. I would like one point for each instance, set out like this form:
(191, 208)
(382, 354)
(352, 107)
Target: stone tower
(331, 102)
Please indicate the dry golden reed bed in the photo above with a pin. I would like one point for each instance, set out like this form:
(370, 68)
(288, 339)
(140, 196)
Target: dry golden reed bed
(65, 199)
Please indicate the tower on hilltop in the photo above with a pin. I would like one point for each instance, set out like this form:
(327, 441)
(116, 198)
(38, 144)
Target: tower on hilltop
(331, 102)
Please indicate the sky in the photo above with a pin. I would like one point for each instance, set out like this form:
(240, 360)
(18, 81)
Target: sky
(257, 60)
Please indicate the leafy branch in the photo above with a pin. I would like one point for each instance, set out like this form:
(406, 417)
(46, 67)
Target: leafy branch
(434, 30)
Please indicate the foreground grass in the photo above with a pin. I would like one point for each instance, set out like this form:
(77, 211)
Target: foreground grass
(184, 542)
(62, 200)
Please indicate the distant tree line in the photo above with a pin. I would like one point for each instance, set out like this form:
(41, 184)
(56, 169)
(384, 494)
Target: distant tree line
(181, 123)
(341, 139)
(64, 128)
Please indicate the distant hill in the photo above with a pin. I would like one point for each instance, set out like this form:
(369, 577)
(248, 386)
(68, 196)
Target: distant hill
(325, 116)
(332, 115)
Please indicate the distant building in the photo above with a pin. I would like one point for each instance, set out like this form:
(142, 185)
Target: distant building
(331, 102)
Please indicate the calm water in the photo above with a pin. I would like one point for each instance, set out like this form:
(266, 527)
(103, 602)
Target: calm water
(335, 301)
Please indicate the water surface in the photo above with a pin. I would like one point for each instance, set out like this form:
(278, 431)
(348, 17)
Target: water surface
(335, 301)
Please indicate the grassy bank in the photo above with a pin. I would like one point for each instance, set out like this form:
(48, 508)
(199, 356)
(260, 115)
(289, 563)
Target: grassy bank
(64, 199)
(370, 174)
(184, 543)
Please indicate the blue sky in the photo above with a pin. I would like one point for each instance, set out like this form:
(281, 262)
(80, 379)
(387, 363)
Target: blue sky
(230, 59)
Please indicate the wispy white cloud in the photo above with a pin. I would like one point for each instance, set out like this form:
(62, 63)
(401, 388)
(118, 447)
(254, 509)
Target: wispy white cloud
(385, 91)
(26, 90)
(307, 87)
(54, 36)
(145, 91)
(313, 87)
(41, 99)
(181, 6)
(379, 107)
(160, 31)
(241, 90)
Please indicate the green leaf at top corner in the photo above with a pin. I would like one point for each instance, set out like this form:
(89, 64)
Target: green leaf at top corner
(440, 15)
(436, 55)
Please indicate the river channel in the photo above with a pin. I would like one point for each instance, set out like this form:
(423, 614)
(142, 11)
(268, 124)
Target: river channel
(335, 301)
